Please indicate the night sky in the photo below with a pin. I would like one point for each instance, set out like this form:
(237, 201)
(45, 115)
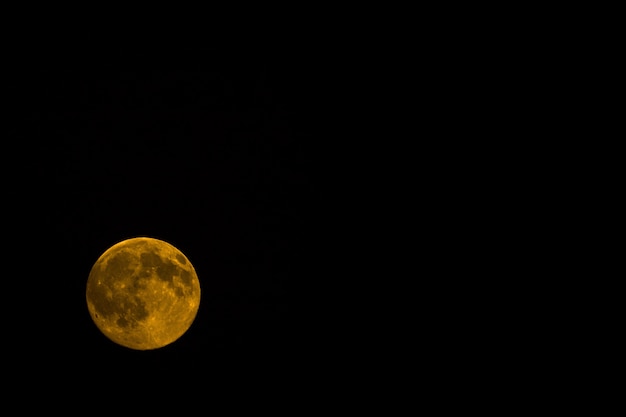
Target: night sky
(215, 159)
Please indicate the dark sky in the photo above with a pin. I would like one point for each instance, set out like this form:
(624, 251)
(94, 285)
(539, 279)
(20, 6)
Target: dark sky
(215, 159)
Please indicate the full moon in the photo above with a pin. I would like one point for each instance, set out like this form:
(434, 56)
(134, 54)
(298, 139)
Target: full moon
(143, 293)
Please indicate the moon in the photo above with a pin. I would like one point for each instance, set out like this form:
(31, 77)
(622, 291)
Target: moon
(143, 293)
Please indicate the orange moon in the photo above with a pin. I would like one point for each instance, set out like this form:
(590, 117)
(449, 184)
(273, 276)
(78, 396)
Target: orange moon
(143, 293)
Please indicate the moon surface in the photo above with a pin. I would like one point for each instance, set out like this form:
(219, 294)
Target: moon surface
(143, 293)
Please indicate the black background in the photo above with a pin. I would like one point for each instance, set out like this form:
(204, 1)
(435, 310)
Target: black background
(218, 159)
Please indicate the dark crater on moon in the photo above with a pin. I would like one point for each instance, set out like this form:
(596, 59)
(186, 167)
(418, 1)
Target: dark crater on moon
(166, 269)
(118, 265)
(129, 308)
